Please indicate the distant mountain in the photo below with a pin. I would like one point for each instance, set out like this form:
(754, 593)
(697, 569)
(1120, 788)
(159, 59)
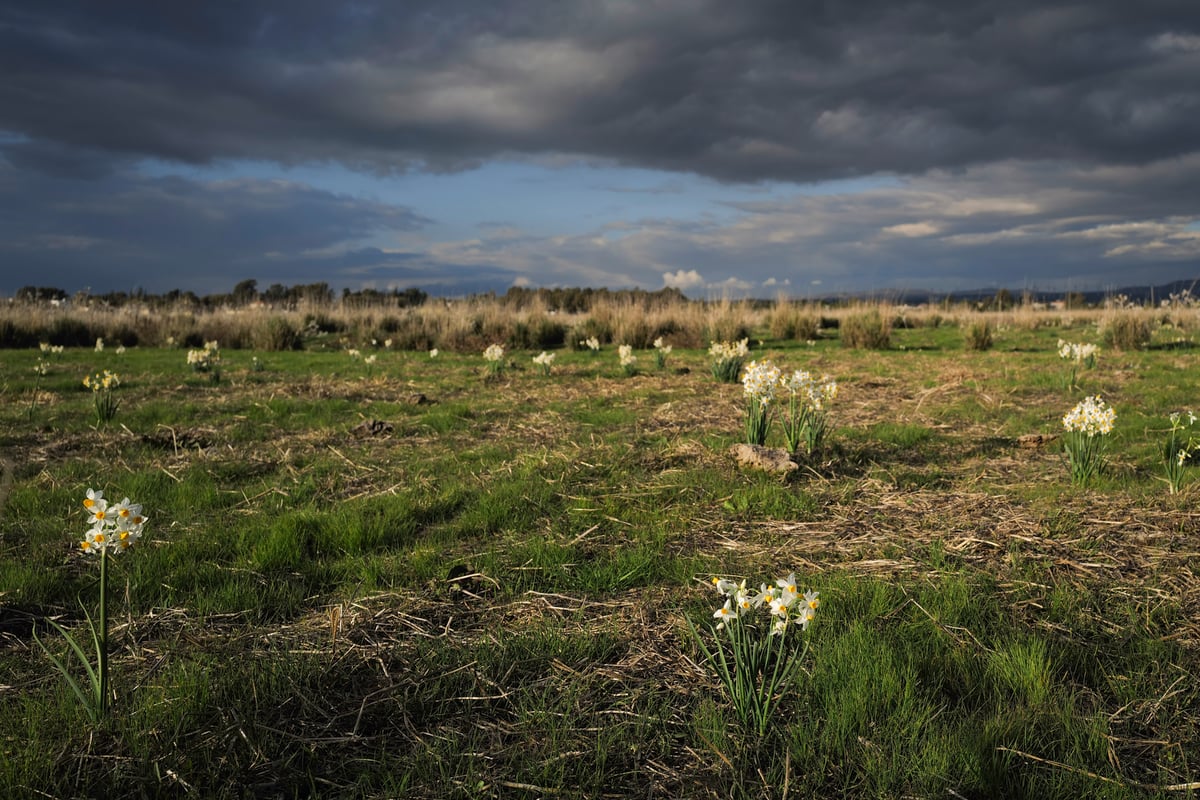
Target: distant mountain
(1140, 295)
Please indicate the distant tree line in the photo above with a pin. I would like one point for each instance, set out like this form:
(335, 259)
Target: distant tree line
(245, 293)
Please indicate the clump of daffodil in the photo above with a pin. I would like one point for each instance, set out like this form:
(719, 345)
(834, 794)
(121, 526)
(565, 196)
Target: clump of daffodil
(808, 400)
(544, 360)
(661, 351)
(754, 650)
(728, 359)
(494, 356)
(114, 528)
(207, 360)
(1086, 426)
(1178, 448)
(104, 400)
(627, 359)
(1076, 355)
(759, 384)
(591, 343)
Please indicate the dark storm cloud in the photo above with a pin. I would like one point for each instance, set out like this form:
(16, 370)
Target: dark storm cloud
(789, 89)
(125, 231)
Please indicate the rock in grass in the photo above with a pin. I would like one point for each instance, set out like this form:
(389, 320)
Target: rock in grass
(771, 459)
(372, 427)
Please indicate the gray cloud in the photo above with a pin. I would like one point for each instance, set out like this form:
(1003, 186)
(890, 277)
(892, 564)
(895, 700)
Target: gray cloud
(781, 90)
(1003, 225)
(125, 231)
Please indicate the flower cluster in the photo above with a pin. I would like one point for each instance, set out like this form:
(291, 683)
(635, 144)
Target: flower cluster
(783, 601)
(102, 381)
(544, 360)
(661, 351)
(1084, 441)
(759, 384)
(808, 397)
(115, 527)
(811, 391)
(756, 666)
(494, 355)
(53, 349)
(1078, 353)
(100, 344)
(353, 353)
(627, 358)
(206, 360)
(591, 343)
(724, 350)
(1091, 417)
(760, 380)
(727, 359)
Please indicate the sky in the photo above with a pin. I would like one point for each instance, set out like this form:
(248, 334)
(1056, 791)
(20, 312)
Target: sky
(724, 147)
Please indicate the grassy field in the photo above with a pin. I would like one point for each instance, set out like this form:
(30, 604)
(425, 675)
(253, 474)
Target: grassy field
(487, 592)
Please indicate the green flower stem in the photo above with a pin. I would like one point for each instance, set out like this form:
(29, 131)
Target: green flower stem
(102, 641)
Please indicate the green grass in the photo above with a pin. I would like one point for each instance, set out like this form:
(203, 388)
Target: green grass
(491, 600)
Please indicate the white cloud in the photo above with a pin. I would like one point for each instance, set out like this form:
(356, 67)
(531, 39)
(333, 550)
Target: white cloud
(913, 229)
(683, 279)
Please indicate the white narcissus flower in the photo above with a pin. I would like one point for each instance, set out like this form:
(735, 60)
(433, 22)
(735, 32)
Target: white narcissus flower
(93, 497)
(725, 612)
(494, 352)
(788, 585)
(725, 587)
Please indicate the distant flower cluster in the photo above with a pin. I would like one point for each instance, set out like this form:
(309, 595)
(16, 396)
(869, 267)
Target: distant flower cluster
(809, 390)
(544, 360)
(727, 359)
(1078, 353)
(205, 360)
(102, 381)
(726, 350)
(661, 351)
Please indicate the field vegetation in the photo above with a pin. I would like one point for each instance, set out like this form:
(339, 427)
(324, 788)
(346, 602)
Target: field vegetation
(396, 572)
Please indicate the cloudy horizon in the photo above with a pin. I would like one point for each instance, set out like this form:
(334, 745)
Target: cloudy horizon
(782, 146)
